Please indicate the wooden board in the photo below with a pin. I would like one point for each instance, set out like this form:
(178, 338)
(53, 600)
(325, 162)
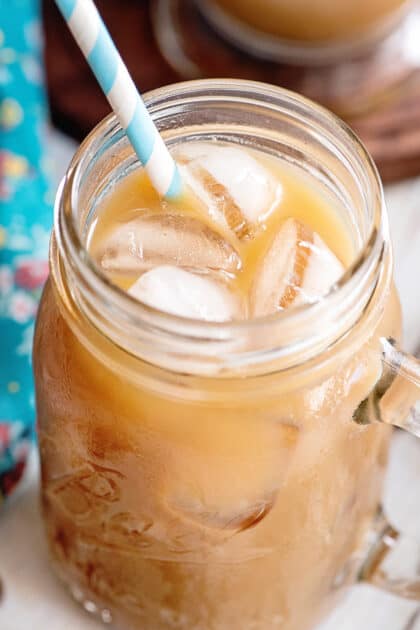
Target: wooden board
(392, 133)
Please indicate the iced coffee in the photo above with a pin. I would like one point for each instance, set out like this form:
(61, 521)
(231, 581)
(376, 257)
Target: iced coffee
(220, 499)
(305, 21)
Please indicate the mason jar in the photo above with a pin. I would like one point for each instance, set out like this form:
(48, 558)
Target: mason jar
(220, 475)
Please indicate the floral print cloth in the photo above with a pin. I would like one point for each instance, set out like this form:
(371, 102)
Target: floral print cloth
(25, 221)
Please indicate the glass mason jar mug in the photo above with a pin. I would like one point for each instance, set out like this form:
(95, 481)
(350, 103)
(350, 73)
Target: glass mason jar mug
(207, 475)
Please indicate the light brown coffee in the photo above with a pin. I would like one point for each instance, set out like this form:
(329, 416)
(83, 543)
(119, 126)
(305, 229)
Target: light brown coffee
(214, 502)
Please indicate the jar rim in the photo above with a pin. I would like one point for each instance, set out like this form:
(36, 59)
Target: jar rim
(361, 275)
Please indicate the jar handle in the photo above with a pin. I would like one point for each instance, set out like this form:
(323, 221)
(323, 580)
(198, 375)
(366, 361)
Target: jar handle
(392, 562)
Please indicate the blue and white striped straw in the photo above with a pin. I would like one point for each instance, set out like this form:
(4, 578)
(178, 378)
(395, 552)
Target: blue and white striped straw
(96, 44)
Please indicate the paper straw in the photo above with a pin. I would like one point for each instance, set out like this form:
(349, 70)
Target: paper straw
(94, 40)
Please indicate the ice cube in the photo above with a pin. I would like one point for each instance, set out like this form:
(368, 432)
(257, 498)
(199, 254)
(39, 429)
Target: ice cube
(228, 475)
(153, 239)
(234, 187)
(298, 268)
(187, 294)
(243, 517)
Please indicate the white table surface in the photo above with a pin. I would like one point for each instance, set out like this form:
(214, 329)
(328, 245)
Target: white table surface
(32, 598)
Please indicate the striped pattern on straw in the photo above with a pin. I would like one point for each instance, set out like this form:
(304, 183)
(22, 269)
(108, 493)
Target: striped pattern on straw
(96, 44)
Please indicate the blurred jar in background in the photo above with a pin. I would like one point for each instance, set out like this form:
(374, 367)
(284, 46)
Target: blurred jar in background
(350, 55)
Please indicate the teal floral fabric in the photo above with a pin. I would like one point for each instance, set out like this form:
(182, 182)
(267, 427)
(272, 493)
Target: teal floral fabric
(25, 222)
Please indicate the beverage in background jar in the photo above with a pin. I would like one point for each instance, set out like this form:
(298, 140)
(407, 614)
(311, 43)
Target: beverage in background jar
(306, 21)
